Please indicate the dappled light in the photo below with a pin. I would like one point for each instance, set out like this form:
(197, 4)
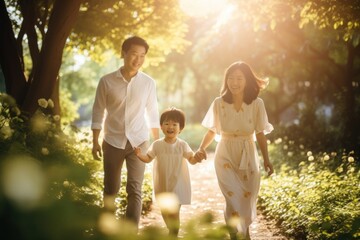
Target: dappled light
(201, 8)
(168, 202)
(308, 51)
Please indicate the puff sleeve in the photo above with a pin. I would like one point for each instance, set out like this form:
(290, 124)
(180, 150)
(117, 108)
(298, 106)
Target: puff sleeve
(211, 119)
(261, 119)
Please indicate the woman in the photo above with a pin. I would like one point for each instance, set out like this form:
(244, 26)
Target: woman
(237, 115)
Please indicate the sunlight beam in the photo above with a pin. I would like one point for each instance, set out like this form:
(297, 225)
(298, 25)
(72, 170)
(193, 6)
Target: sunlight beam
(201, 8)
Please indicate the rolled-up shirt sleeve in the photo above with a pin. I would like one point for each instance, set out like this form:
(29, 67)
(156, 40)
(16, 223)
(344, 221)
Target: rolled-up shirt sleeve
(99, 106)
(152, 110)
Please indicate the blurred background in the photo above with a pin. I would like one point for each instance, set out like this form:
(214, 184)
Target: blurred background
(309, 50)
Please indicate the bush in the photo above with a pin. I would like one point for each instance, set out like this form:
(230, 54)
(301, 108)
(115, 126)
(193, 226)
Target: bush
(50, 189)
(313, 196)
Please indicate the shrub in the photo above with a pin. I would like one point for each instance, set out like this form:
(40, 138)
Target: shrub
(313, 196)
(49, 187)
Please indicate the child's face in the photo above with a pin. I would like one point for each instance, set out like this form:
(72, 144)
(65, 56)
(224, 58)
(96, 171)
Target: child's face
(170, 128)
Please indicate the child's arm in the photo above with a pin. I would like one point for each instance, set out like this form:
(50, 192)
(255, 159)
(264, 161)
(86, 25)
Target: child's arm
(145, 158)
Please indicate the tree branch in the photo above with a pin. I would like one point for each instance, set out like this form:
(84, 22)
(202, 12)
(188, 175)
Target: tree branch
(28, 11)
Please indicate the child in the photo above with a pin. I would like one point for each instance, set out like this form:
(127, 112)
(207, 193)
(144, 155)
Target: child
(171, 173)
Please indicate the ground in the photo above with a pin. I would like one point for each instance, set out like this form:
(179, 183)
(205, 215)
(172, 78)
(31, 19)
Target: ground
(207, 197)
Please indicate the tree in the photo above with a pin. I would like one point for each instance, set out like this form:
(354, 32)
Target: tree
(308, 49)
(46, 27)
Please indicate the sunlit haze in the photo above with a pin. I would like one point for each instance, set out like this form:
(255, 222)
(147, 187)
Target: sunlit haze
(202, 8)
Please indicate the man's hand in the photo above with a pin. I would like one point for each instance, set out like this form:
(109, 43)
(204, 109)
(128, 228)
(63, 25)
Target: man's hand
(137, 151)
(96, 151)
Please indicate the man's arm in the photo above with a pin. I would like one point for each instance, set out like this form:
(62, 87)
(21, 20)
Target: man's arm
(155, 133)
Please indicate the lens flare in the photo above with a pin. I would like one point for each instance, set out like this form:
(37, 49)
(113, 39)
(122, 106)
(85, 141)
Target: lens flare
(168, 202)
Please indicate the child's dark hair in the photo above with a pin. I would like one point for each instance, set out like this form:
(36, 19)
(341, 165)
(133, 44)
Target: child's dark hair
(175, 115)
(134, 40)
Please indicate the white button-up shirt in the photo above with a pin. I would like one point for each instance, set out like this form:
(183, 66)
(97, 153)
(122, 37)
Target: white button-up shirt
(130, 108)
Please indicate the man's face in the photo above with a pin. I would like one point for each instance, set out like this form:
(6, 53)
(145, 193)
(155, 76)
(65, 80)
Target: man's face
(134, 58)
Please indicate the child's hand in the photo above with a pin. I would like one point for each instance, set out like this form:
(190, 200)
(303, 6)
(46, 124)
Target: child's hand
(137, 151)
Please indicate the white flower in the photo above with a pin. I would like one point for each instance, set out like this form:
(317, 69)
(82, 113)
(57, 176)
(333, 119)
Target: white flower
(50, 103)
(43, 103)
(56, 118)
(350, 159)
(326, 157)
(309, 153)
(39, 123)
(6, 131)
(311, 158)
(45, 151)
(351, 170)
(290, 154)
(66, 183)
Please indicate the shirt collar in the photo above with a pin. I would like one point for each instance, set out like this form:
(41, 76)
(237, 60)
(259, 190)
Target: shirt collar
(119, 75)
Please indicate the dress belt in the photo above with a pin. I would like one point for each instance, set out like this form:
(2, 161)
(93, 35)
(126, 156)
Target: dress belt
(247, 145)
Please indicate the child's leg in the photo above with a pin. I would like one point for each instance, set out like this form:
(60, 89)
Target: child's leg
(172, 221)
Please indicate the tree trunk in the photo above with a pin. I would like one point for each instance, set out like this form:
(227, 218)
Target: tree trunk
(15, 80)
(351, 129)
(46, 71)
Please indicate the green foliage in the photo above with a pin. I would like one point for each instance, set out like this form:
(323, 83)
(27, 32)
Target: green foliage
(193, 134)
(49, 183)
(69, 108)
(313, 196)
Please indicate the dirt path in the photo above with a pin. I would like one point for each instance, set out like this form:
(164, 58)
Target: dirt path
(207, 197)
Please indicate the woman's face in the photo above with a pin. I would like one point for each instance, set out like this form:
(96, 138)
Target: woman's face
(236, 82)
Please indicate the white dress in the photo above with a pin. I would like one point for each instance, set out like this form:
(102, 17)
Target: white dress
(236, 159)
(170, 170)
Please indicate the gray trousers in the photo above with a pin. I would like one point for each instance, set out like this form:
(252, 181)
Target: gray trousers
(113, 162)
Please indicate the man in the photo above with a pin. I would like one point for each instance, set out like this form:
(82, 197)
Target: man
(127, 96)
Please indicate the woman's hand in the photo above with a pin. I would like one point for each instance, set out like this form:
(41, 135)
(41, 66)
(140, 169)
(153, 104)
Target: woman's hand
(200, 154)
(268, 167)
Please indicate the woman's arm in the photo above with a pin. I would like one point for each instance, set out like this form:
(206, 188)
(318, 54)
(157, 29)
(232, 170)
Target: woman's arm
(262, 141)
(206, 141)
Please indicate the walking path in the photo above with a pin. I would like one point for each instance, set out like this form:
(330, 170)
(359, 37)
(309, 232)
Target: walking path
(207, 197)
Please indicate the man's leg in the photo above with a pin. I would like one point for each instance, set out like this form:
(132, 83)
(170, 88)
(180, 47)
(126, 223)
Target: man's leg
(113, 161)
(135, 177)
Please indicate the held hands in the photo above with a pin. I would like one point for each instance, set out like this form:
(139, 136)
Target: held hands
(137, 151)
(200, 155)
(96, 151)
